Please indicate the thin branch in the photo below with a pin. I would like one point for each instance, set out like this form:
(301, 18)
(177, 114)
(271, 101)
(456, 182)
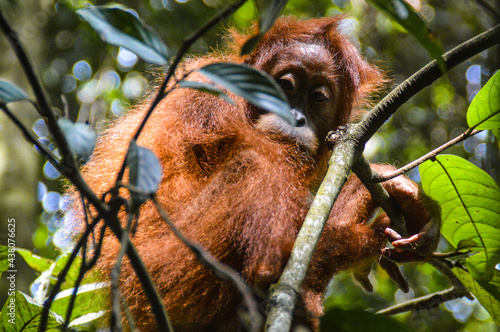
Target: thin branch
(430, 155)
(441, 266)
(30, 137)
(489, 9)
(186, 45)
(222, 270)
(70, 170)
(141, 271)
(433, 300)
(81, 274)
(68, 167)
(421, 79)
(424, 302)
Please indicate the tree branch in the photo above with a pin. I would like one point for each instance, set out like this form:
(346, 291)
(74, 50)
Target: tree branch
(421, 79)
(489, 9)
(433, 300)
(424, 302)
(284, 294)
(113, 222)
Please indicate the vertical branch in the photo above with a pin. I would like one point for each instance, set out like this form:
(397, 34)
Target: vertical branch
(284, 295)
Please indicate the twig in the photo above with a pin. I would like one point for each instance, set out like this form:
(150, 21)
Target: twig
(424, 302)
(141, 271)
(69, 169)
(222, 270)
(442, 267)
(430, 155)
(81, 274)
(432, 300)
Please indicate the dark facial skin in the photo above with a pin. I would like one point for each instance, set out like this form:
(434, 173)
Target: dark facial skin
(304, 72)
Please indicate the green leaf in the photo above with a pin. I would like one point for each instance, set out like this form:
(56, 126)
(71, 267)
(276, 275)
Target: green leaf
(208, 88)
(268, 12)
(73, 271)
(145, 172)
(90, 299)
(117, 25)
(336, 319)
(37, 263)
(484, 110)
(258, 88)
(488, 294)
(406, 16)
(80, 136)
(10, 92)
(21, 313)
(470, 209)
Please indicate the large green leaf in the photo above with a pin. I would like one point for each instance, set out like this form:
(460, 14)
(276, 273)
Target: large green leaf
(406, 16)
(484, 110)
(470, 208)
(488, 294)
(90, 299)
(37, 263)
(258, 88)
(116, 25)
(208, 88)
(21, 313)
(10, 92)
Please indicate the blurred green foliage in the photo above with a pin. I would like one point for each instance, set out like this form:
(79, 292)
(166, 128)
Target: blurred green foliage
(91, 82)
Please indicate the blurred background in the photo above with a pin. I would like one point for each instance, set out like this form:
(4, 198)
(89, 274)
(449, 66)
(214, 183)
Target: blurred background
(90, 81)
